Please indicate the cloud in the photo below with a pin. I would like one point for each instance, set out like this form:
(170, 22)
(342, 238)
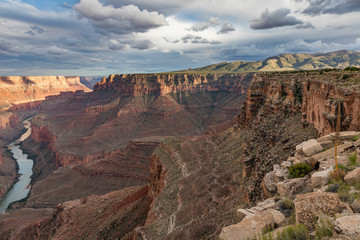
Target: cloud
(35, 30)
(305, 25)
(115, 45)
(276, 18)
(212, 22)
(261, 51)
(123, 20)
(142, 44)
(318, 7)
(198, 40)
(226, 28)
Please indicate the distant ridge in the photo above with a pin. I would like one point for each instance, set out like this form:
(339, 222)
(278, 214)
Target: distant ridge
(286, 62)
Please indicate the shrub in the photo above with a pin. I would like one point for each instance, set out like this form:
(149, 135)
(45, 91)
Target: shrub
(296, 232)
(355, 139)
(345, 76)
(286, 203)
(299, 170)
(337, 174)
(344, 194)
(352, 158)
(324, 227)
(332, 188)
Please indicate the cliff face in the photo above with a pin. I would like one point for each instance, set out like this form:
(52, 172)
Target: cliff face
(315, 95)
(15, 90)
(26, 93)
(125, 107)
(161, 84)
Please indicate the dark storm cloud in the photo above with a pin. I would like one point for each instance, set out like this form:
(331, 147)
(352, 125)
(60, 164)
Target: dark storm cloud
(123, 20)
(318, 7)
(226, 28)
(276, 18)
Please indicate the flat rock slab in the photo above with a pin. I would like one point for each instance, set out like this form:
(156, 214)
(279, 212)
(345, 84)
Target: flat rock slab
(310, 205)
(249, 228)
(348, 225)
(342, 136)
(309, 148)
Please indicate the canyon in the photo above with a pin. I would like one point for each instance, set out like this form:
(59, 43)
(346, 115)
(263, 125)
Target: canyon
(170, 156)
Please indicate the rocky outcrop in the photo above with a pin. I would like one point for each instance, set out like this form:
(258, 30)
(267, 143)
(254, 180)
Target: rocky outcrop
(310, 205)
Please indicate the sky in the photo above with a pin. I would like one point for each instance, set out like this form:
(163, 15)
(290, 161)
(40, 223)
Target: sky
(102, 37)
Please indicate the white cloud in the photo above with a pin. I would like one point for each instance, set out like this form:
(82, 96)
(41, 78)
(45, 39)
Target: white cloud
(123, 20)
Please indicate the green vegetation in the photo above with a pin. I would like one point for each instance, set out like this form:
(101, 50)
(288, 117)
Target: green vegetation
(286, 203)
(345, 76)
(355, 139)
(295, 232)
(324, 227)
(344, 193)
(299, 170)
(352, 158)
(352, 69)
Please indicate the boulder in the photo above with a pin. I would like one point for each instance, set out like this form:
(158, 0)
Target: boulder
(278, 217)
(290, 187)
(310, 205)
(278, 173)
(244, 213)
(355, 205)
(267, 204)
(319, 179)
(311, 147)
(250, 227)
(268, 184)
(348, 225)
(353, 176)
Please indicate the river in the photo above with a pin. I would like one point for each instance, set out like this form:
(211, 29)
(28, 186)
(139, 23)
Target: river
(21, 188)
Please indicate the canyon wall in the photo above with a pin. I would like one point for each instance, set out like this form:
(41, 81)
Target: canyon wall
(315, 95)
(125, 107)
(161, 84)
(26, 93)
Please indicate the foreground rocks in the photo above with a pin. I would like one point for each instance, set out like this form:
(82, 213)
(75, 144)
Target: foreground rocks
(348, 225)
(309, 206)
(312, 203)
(253, 226)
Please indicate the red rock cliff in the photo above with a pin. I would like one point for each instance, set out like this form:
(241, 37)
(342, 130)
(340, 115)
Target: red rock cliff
(315, 95)
(160, 84)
